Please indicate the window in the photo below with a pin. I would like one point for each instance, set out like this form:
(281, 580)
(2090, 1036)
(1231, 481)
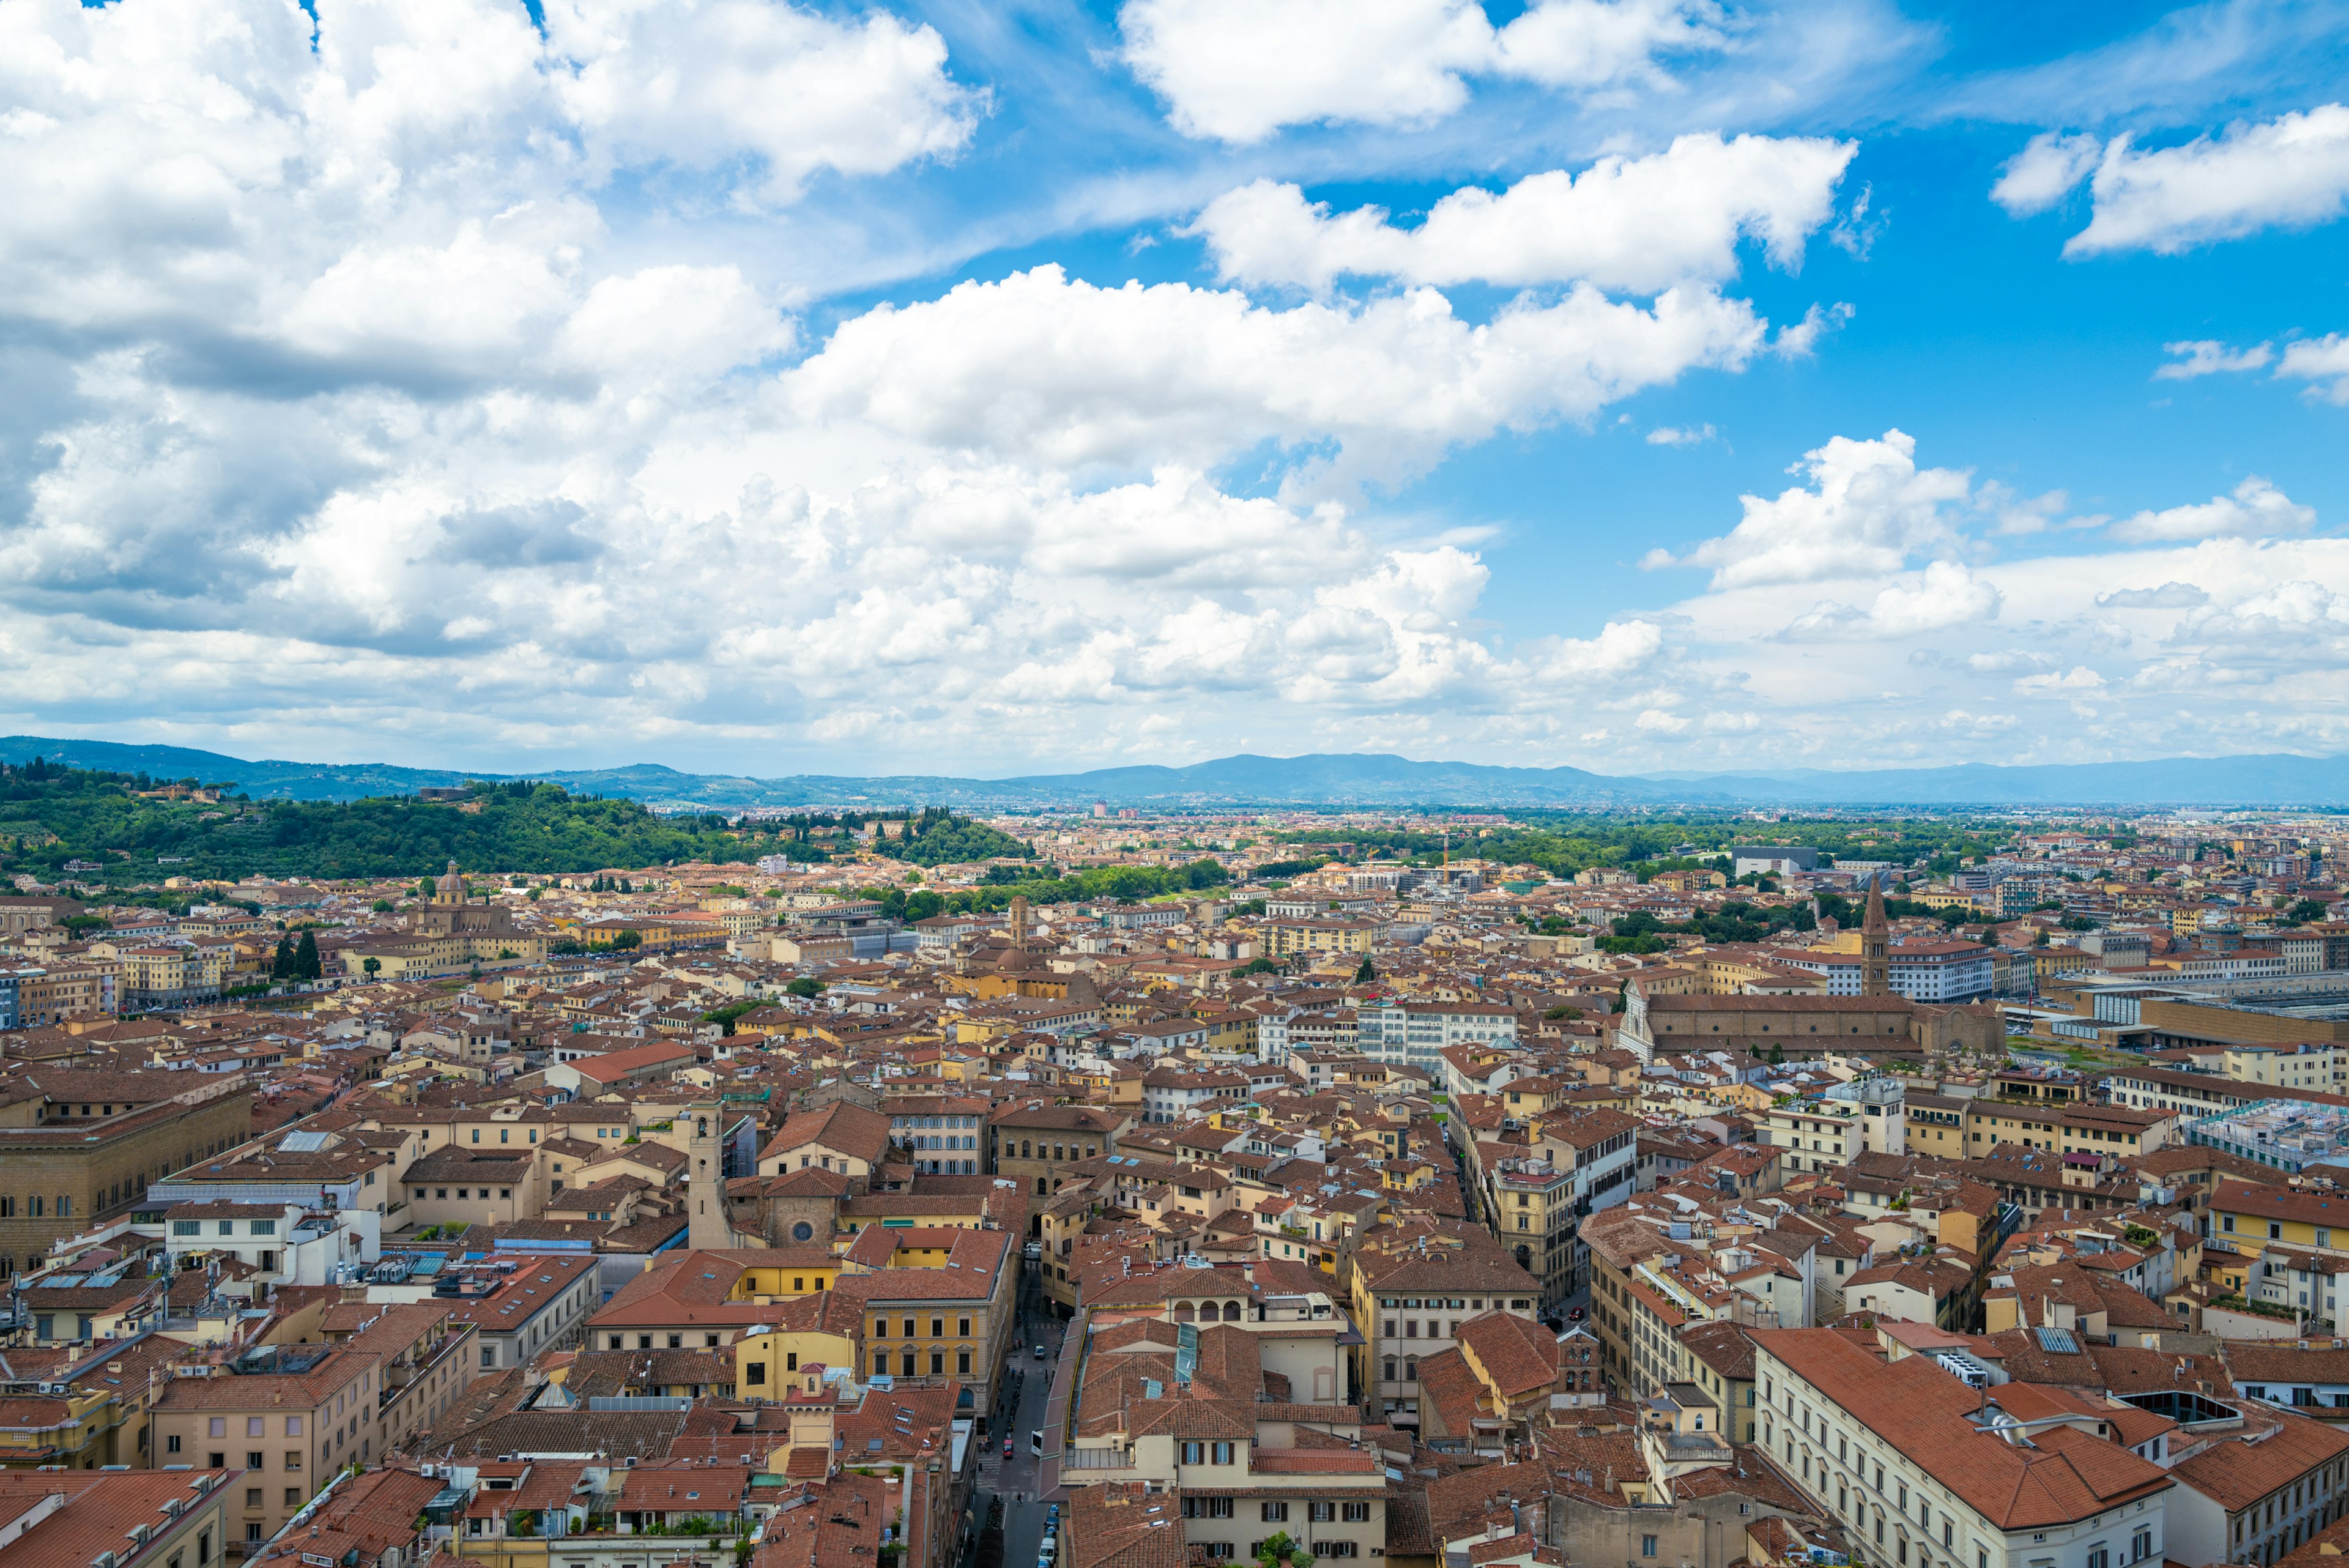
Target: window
(253, 1529)
(2141, 1547)
(1194, 1453)
(1647, 1546)
(1223, 1454)
(172, 1444)
(180, 1227)
(1355, 1513)
(293, 1459)
(218, 1461)
(1334, 1549)
(293, 1497)
(1276, 1514)
(217, 1427)
(2099, 1558)
(252, 1425)
(1321, 1513)
(254, 1459)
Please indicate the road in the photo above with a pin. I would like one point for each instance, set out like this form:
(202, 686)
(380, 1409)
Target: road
(1015, 1479)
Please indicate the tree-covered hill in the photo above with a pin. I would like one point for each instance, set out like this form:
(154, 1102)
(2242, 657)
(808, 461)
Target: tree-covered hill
(51, 818)
(938, 837)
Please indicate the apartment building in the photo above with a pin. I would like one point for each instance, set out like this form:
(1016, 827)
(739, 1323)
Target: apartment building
(1919, 1466)
(1289, 939)
(1034, 1144)
(913, 1302)
(1203, 1410)
(1410, 1298)
(288, 1416)
(2070, 1128)
(942, 1130)
(521, 1307)
(135, 1519)
(1417, 1032)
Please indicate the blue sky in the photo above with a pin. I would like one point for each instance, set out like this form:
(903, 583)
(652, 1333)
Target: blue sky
(990, 387)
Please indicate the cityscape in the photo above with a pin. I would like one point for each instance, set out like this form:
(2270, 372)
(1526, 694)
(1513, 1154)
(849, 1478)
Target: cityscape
(1174, 784)
(1117, 1186)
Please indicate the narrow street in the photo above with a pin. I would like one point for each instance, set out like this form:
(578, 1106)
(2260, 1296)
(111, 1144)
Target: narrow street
(1015, 1479)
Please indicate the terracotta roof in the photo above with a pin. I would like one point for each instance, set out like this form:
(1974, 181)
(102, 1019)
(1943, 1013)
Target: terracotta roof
(1922, 1412)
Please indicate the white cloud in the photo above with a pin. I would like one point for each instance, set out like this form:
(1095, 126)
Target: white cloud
(2044, 172)
(2256, 509)
(1945, 595)
(2078, 681)
(1640, 224)
(2322, 360)
(1045, 370)
(699, 82)
(2207, 357)
(1866, 509)
(1239, 70)
(1672, 435)
(2292, 171)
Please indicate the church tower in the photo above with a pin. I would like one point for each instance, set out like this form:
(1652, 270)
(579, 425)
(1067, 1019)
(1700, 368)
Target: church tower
(707, 1228)
(1875, 945)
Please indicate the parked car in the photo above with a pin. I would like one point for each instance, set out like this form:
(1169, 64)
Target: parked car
(1007, 1447)
(1036, 1441)
(1040, 1352)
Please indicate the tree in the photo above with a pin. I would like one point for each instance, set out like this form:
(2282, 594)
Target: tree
(383, 906)
(306, 965)
(1281, 1549)
(281, 962)
(1365, 974)
(806, 986)
(371, 966)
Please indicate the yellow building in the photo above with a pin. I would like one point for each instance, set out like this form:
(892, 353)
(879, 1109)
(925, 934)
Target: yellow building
(1286, 938)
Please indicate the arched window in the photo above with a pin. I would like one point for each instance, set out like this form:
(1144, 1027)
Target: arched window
(1231, 1312)
(1182, 1313)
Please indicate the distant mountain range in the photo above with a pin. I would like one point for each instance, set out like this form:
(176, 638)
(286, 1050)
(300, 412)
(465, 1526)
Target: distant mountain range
(1349, 779)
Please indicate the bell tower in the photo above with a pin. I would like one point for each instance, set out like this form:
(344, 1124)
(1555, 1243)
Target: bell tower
(1875, 945)
(708, 1227)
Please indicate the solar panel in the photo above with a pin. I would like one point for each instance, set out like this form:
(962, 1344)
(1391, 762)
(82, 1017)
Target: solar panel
(2058, 1341)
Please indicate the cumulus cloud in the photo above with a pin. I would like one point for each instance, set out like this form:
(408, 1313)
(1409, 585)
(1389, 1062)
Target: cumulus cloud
(1239, 70)
(1945, 595)
(2324, 363)
(1638, 224)
(2292, 171)
(1676, 435)
(2044, 172)
(2256, 509)
(1048, 369)
(1866, 508)
(698, 83)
